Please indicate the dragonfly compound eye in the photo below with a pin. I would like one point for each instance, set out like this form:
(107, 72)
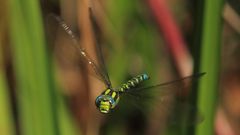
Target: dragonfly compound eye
(104, 103)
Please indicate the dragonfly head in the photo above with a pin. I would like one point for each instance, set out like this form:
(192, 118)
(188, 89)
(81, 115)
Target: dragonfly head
(105, 103)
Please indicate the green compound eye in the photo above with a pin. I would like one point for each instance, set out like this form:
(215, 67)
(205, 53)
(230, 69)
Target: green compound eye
(105, 103)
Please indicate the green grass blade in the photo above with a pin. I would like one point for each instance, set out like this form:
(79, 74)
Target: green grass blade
(6, 115)
(6, 121)
(210, 63)
(35, 93)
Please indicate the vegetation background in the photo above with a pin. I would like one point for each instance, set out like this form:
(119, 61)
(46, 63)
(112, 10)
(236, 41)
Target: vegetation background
(46, 89)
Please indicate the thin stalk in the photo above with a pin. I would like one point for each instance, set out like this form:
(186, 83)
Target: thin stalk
(172, 36)
(6, 116)
(6, 121)
(35, 91)
(210, 63)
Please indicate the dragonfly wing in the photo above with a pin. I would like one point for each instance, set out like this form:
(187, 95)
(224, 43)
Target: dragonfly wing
(188, 112)
(166, 97)
(98, 46)
(192, 78)
(164, 89)
(75, 45)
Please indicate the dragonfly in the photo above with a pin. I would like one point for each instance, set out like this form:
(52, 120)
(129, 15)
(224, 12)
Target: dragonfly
(107, 101)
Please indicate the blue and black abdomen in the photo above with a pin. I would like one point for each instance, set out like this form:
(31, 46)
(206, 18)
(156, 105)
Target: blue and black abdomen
(133, 82)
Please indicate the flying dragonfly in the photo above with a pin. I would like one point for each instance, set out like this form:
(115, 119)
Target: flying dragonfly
(107, 101)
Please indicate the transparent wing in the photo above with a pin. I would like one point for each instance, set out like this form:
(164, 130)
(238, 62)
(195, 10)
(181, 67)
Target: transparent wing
(191, 78)
(166, 98)
(98, 46)
(171, 87)
(100, 74)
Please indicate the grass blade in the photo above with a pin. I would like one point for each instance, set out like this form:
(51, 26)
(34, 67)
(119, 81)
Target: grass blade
(35, 91)
(210, 63)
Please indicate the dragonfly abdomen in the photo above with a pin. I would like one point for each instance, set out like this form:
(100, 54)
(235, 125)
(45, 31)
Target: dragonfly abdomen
(133, 82)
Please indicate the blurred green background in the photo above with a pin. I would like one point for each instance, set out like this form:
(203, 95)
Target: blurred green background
(45, 88)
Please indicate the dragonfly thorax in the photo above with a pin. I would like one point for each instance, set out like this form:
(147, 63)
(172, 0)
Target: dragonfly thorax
(107, 100)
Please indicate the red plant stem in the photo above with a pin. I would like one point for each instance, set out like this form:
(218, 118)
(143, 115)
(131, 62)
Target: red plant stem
(172, 36)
